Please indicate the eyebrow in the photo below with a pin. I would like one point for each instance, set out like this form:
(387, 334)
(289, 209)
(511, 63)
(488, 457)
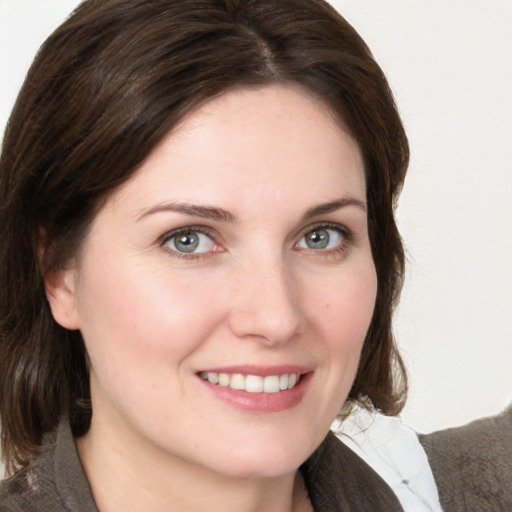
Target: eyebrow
(332, 206)
(193, 210)
(221, 215)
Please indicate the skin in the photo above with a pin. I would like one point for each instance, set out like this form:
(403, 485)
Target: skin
(256, 293)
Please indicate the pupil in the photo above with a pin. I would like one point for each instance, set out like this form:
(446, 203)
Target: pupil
(318, 239)
(187, 242)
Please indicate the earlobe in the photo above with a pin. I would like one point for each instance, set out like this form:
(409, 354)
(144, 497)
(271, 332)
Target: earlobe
(60, 288)
(59, 285)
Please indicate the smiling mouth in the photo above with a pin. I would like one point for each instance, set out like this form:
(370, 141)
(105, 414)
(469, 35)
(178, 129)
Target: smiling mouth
(253, 383)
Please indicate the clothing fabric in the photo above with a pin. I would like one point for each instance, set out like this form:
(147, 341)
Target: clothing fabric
(339, 480)
(472, 465)
(55, 482)
(336, 478)
(393, 450)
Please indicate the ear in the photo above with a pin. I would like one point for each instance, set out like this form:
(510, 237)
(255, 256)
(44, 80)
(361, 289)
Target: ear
(60, 286)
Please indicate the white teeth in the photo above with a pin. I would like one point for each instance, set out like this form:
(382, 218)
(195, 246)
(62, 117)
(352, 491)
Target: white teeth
(213, 378)
(271, 384)
(224, 380)
(253, 383)
(237, 381)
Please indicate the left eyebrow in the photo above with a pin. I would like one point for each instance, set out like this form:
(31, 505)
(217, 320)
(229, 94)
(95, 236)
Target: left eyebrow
(192, 210)
(332, 206)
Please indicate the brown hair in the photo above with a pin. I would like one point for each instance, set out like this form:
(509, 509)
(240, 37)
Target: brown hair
(102, 92)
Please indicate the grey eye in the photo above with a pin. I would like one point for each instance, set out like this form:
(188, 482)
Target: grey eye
(319, 239)
(187, 242)
(190, 242)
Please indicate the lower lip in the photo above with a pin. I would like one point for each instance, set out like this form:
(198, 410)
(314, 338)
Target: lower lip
(261, 402)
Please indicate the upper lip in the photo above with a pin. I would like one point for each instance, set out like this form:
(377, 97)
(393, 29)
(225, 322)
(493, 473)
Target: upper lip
(263, 371)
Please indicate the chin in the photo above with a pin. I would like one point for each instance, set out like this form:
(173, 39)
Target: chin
(264, 462)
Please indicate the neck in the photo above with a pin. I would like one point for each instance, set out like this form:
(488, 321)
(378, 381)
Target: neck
(142, 478)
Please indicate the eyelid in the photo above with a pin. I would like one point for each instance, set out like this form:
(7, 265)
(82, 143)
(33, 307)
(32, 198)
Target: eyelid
(347, 233)
(186, 229)
(335, 252)
(173, 233)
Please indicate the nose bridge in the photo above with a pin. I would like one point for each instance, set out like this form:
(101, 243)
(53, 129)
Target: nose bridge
(266, 302)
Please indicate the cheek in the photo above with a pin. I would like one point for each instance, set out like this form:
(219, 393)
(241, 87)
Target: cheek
(132, 314)
(346, 309)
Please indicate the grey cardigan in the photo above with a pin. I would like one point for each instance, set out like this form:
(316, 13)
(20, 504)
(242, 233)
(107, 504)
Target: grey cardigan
(336, 478)
(472, 465)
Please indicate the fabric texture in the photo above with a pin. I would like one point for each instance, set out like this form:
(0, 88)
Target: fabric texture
(336, 478)
(393, 450)
(472, 465)
(339, 480)
(55, 482)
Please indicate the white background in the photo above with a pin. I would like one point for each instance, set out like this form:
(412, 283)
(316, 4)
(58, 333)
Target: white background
(449, 63)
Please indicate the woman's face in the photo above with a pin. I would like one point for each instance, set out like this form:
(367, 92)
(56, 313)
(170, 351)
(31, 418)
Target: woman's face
(235, 260)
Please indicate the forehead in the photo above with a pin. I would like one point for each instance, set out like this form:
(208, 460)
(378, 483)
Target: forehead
(276, 143)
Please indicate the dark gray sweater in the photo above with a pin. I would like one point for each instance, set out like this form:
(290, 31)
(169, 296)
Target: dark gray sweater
(336, 478)
(472, 465)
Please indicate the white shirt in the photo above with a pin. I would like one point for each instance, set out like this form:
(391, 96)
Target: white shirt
(395, 453)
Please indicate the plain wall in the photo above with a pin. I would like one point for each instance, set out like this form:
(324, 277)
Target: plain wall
(449, 64)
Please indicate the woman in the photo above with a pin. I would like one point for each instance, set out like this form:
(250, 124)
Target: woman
(199, 260)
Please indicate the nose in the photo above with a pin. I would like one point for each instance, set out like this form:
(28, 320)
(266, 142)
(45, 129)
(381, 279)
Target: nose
(266, 304)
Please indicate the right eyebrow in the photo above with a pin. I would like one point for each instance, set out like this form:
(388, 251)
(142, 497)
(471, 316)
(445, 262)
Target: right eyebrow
(332, 206)
(193, 210)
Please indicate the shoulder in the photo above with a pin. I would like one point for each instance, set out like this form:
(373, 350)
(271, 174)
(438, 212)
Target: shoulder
(393, 450)
(337, 479)
(472, 465)
(16, 494)
(31, 489)
(54, 482)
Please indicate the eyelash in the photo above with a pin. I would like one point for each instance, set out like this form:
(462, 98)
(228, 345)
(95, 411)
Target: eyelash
(340, 250)
(344, 233)
(187, 230)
